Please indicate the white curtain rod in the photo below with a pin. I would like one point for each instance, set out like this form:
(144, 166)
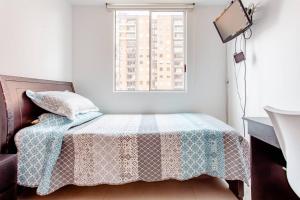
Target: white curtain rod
(151, 6)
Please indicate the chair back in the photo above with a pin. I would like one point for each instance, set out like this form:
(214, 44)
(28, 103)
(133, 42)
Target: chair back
(287, 129)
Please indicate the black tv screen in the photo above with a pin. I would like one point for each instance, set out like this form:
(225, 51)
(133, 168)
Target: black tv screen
(233, 21)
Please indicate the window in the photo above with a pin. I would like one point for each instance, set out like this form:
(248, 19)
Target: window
(150, 50)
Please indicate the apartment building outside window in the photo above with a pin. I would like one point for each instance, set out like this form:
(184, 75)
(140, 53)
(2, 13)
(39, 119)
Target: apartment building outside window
(150, 51)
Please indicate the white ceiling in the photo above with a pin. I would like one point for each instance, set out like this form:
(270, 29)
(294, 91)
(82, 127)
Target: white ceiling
(102, 2)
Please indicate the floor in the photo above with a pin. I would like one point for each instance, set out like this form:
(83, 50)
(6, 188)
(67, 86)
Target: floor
(204, 189)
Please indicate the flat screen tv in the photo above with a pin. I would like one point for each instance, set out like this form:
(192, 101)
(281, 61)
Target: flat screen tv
(233, 21)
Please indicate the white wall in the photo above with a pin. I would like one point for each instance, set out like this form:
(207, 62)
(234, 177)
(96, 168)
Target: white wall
(273, 61)
(93, 66)
(35, 39)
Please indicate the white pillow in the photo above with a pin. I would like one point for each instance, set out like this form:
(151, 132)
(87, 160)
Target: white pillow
(64, 103)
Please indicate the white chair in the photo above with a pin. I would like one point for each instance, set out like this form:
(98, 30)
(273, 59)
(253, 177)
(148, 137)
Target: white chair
(287, 129)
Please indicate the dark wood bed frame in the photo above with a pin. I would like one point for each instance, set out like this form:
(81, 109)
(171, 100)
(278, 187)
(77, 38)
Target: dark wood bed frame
(17, 111)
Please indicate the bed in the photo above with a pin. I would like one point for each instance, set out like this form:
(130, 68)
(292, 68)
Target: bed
(118, 149)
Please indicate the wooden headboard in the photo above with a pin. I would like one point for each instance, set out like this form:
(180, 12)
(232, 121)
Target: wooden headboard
(16, 109)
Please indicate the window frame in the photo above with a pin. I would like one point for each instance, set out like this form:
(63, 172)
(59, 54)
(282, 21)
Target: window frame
(185, 89)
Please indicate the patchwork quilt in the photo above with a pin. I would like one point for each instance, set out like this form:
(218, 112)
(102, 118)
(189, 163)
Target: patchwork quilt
(118, 149)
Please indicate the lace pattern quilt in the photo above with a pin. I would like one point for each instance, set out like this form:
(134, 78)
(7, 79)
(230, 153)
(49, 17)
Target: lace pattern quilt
(118, 149)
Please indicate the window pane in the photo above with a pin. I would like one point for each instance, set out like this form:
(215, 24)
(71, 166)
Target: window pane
(167, 51)
(132, 50)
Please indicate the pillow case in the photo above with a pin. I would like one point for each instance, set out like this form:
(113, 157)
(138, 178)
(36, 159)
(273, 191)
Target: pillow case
(63, 103)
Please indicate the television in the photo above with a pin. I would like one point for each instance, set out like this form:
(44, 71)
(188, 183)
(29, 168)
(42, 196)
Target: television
(233, 21)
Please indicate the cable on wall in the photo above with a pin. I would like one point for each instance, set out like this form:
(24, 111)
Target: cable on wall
(240, 57)
(245, 82)
(242, 103)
